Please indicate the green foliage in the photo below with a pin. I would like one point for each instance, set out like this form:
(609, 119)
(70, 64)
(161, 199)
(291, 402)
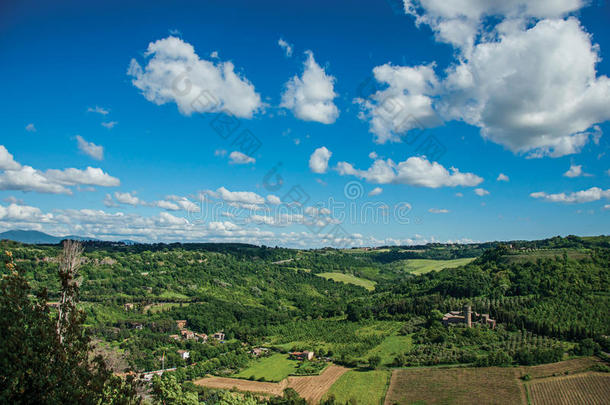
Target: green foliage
(45, 360)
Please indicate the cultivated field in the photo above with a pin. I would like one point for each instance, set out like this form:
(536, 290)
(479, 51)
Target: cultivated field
(492, 385)
(366, 387)
(587, 388)
(312, 388)
(348, 278)
(273, 368)
(390, 348)
(563, 367)
(421, 266)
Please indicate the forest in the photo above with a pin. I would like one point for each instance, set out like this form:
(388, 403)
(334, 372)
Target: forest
(550, 299)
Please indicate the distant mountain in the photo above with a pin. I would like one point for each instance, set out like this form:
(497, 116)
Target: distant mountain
(36, 237)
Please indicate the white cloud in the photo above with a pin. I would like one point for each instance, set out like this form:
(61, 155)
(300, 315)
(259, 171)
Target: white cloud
(6, 160)
(30, 128)
(375, 191)
(244, 197)
(438, 211)
(273, 199)
(318, 161)
(26, 178)
(415, 171)
(459, 194)
(584, 196)
(481, 192)
(109, 124)
(502, 177)
(533, 90)
(286, 47)
(310, 97)
(607, 207)
(91, 177)
(373, 155)
(220, 152)
(127, 198)
(459, 22)
(576, 171)
(406, 103)
(98, 110)
(175, 73)
(89, 148)
(238, 158)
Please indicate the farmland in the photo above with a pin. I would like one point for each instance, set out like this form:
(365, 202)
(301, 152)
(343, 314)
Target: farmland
(273, 368)
(455, 385)
(422, 266)
(390, 348)
(587, 388)
(311, 388)
(348, 278)
(366, 387)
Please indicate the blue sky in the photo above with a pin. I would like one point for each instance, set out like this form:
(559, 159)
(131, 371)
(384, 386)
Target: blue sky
(344, 109)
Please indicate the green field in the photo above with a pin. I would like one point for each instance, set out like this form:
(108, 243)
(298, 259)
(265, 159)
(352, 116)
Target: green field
(347, 278)
(390, 348)
(421, 266)
(367, 387)
(273, 368)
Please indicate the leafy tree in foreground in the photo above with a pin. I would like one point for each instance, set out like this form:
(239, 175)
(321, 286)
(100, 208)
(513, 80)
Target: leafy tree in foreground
(45, 358)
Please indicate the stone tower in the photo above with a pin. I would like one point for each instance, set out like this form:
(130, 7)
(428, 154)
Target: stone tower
(468, 315)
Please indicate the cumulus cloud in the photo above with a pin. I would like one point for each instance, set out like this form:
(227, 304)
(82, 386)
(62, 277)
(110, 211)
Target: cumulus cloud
(318, 161)
(438, 211)
(286, 47)
(524, 73)
(310, 97)
(26, 178)
(89, 148)
(175, 73)
(575, 171)
(415, 171)
(532, 90)
(405, 104)
(6, 160)
(244, 197)
(238, 158)
(459, 22)
(375, 191)
(91, 176)
(584, 196)
(127, 198)
(30, 128)
(481, 192)
(502, 177)
(273, 199)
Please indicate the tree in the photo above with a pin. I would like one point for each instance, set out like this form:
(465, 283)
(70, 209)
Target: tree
(374, 362)
(41, 363)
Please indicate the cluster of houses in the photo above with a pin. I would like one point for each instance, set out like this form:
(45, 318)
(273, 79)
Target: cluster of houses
(466, 316)
(187, 334)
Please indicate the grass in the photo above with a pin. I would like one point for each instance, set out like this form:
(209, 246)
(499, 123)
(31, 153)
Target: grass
(349, 279)
(273, 368)
(158, 307)
(421, 266)
(367, 387)
(390, 348)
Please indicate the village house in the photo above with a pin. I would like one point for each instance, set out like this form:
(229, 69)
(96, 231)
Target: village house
(136, 325)
(187, 334)
(466, 316)
(305, 355)
(128, 306)
(181, 324)
(257, 351)
(201, 336)
(184, 354)
(219, 336)
(175, 337)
